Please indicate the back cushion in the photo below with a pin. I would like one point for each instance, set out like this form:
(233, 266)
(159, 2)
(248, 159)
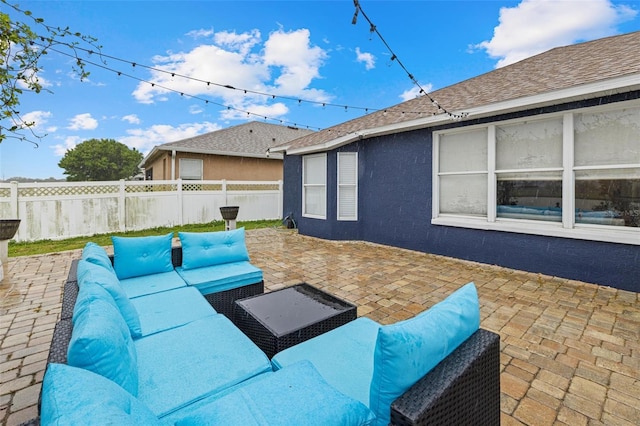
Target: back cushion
(97, 255)
(137, 256)
(89, 273)
(201, 249)
(407, 350)
(101, 342)
(73, 396)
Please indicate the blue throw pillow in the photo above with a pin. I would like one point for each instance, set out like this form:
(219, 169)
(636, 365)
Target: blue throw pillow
(73, 396)
(408, 350)
(138, 256)
(200, 249)
(97, 255)
(101, 342)
(294, 395)
(89, 273)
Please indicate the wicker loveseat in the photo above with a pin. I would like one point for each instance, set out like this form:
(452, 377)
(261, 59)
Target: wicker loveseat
(195, 367)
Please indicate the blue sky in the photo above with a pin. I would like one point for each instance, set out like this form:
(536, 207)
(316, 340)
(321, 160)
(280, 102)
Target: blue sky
(307, 50)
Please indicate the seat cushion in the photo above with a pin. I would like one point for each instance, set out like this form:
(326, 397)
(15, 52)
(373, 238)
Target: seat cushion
(101, 342)
(170, 309)
(212, 248)
(150, 284)
(407, 350)
(342, 356)
(138, 256)
(295, 395)
(212, 279)
(72, 396)
(97, 255)
(185, 364)
(89, 273)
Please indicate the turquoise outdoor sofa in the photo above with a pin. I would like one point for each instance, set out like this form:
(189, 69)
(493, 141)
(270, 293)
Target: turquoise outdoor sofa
(165, 356)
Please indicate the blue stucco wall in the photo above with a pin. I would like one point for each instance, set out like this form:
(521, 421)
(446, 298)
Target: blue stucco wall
(394, 203)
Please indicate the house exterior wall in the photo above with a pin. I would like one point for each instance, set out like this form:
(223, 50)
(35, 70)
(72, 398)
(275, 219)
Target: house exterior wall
(218, 167)
(395, 208)
(161, 167)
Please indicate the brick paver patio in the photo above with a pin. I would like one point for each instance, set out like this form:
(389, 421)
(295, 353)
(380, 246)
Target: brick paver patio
(570, 351)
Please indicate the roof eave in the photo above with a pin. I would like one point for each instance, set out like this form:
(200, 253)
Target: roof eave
(148, 157)
(225, 153)
(604, 87)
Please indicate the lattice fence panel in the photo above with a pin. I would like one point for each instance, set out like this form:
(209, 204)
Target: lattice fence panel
(160, 187)
(56, 191)
(5, 192)
(251, 187)
(202, 187)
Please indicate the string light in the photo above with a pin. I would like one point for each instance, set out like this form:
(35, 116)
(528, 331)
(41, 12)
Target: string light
(230, 87)
(173, 74)
(394, 57)
(182, 94)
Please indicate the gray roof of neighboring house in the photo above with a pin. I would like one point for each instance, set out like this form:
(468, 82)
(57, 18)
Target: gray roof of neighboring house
(605, 66)
(251, 139)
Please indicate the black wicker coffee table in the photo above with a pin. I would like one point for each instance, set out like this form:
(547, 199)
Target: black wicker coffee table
(280, 319)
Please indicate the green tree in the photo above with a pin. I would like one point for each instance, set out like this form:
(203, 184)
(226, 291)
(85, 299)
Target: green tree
(99, 160)
(22, 46)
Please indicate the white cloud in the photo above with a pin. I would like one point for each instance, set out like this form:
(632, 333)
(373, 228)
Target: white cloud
(285, 64)
(195, 109)
(131, 119)
(83, 122)
(201, 33)
(535, 26)
(145, 139)
(298, 62)
(414, 92)
(38, 118)
(69, 142)
(241, 43)
(368, 59)
(277, 109)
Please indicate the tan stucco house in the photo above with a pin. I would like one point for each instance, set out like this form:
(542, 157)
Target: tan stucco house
(235, 153)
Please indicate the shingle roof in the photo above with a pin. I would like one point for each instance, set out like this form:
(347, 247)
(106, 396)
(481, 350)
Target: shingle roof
(247, 140)
(557, 69)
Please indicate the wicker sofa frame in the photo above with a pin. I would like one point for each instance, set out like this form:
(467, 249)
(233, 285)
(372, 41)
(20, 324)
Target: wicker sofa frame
(463, 389)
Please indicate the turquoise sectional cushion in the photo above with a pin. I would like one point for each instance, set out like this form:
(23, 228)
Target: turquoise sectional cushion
(212, 248)
(73, 396)
(91, 273)
(137, 256)
(407, 350)
(188, 363)
(295, 395)
(343, 356)
(151, 284)
(101, 342)
(97, 255)
(170, 309)
(90, 292)
(215, 278)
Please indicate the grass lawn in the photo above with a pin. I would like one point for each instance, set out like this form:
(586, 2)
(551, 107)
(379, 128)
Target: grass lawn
(52, 246)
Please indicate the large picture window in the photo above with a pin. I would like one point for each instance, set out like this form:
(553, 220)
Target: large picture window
(314, 186)
(190, 169)
(347, 186)
(607, 153)
(529, 170)
(575, 174)
(463, 178)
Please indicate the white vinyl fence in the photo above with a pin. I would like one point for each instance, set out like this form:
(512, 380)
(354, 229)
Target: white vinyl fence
(57, 210)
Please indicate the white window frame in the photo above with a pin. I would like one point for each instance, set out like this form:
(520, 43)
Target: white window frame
(351, 185)
(567, 228)
(182, 162)
(306, 185)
